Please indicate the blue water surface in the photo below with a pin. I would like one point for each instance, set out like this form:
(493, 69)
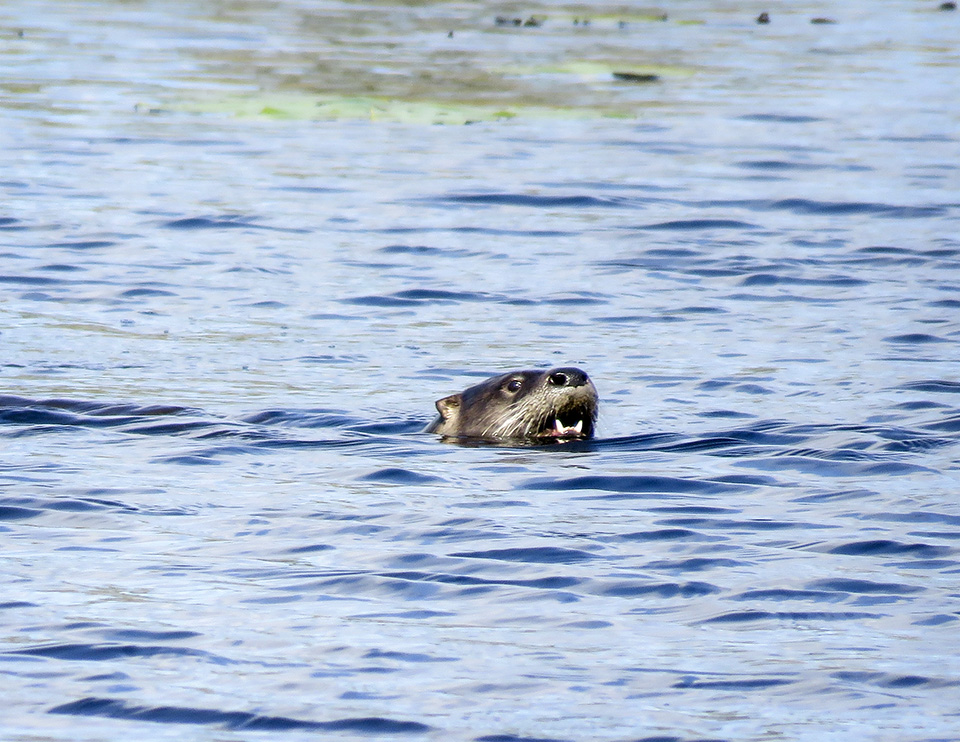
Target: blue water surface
(222, 335)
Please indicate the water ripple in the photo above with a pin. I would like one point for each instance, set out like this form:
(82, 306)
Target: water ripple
(635, 484)
(225, 222)
(232, 720)
(522, 199)
(694, 224)
(755, 615)
(538, 555)
(108, 652)
(889, 547)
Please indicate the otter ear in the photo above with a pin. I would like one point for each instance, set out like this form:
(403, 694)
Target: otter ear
(448, 406)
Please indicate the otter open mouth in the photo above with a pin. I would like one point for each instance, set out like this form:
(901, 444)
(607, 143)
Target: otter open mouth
(569, 423)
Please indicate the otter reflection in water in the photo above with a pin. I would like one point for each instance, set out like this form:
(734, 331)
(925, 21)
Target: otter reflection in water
(539, 406)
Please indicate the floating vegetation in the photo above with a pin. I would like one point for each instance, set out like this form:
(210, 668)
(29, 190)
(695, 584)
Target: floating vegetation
(305, 107)
(430, 67)
(600, 70)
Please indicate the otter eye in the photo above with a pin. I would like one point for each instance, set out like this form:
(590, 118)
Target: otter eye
(514, 385)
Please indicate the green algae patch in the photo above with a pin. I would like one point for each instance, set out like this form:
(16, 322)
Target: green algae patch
(297, 107)
(600, 69)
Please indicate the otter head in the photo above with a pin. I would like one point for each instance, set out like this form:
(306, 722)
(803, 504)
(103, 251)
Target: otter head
(556, 404)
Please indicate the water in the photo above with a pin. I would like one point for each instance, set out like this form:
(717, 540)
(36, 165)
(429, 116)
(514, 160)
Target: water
(221, 334)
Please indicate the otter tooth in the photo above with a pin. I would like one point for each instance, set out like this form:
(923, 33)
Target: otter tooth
(562, 429)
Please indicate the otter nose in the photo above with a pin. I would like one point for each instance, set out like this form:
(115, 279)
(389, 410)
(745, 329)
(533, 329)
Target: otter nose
(567, 377)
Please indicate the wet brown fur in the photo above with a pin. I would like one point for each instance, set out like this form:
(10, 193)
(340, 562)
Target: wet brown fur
(521, 405)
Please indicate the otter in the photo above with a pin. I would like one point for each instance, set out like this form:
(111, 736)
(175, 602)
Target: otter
(541, 406)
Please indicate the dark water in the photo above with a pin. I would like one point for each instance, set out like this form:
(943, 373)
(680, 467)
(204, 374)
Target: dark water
(220, 336)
